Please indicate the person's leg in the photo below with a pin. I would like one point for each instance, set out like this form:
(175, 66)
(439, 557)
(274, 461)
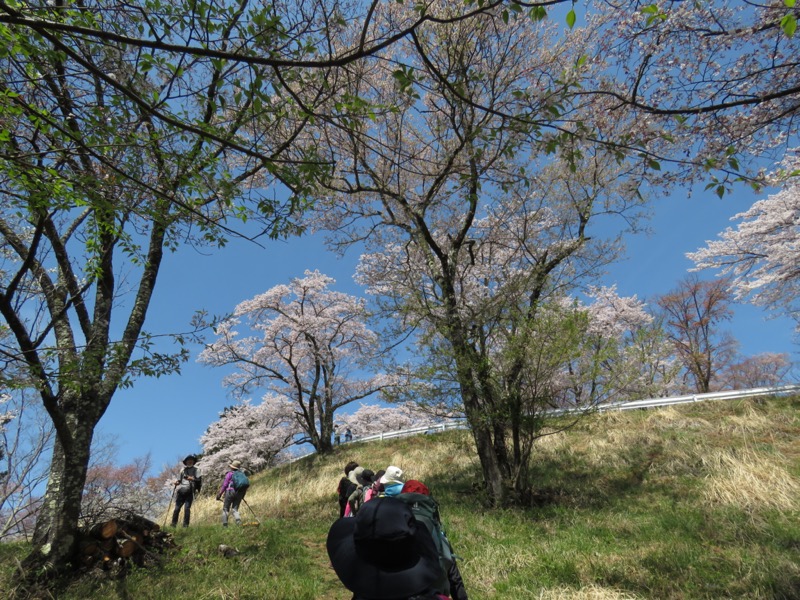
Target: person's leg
(237, 500)
(175, 513)
(187, 509)
(226, 506)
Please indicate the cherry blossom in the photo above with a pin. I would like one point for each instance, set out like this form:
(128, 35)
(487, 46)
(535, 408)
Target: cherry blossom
(760, 256)
(253, 434)
(312, 347)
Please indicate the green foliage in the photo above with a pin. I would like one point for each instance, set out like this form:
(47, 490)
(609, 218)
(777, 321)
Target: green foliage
(789, 24)
(571, 18)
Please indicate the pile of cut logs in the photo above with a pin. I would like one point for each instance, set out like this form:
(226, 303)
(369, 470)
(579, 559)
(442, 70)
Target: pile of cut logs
(114, 543)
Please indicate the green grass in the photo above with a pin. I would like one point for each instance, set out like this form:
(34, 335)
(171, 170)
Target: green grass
(696, 502)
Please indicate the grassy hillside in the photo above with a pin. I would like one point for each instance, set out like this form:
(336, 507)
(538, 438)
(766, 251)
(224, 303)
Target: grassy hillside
(700, 501)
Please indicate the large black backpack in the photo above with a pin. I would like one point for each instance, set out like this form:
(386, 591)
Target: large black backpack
(426, 511)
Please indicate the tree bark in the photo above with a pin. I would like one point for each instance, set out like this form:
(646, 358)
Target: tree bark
(56, 533)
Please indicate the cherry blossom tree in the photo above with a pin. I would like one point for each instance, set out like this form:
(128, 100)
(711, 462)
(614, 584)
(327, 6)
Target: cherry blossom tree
(613, 363)
(694, 312)
(312, 347)
(472, 222)
(114, 490)
(760, 256)
(768, 369)
(253, 434)
(370, 419)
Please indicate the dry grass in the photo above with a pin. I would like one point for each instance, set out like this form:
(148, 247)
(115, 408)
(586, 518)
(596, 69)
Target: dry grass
(750, 481)
(591, 592)
(277, 497)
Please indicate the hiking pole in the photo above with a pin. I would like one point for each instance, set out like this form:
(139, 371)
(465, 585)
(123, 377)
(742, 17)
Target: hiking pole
(257, 523)
(166, 515)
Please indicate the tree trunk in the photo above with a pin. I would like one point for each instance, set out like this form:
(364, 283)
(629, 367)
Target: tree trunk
(492, 471)
(56, 534)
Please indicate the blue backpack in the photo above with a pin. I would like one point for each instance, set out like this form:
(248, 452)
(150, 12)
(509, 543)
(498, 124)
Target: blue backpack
(240, 481)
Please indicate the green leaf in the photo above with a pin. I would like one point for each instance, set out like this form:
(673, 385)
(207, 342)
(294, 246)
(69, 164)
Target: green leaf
(571, 18)
(789, 3)
(537, 13)
(789, 25)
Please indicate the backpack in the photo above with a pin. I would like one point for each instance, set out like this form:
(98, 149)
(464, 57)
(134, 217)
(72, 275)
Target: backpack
(240, 481)
(355, 501)
(197, 484)
(426, 511)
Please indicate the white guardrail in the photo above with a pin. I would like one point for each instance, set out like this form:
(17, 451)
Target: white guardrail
(649, 403)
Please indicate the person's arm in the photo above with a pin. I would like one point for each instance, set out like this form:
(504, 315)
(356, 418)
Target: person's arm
(225, 483)
(457, 589)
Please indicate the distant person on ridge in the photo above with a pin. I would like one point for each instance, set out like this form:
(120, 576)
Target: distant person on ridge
(232, 491)
(348, 435)
(187, 485)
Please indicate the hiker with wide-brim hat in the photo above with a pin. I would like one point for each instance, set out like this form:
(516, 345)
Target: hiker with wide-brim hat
(384, 553)
(187, 485)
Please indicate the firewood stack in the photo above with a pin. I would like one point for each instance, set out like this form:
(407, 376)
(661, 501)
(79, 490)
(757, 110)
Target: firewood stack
(113, 544)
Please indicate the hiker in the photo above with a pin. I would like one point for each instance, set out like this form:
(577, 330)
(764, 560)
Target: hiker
(363, 479)
(348, 435)
(417, 495)
(392, 481)
(233, 493)
(376, 488)
(187, 485)
(346, 487)
(384, 554)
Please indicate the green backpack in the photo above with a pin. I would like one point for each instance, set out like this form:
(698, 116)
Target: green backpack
(240, 481)
(426, 511)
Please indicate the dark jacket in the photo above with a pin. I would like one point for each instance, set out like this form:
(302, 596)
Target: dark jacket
(346, 487)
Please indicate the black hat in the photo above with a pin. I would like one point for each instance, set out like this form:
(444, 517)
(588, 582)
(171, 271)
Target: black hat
(190, 457)
(383, 553)
(365, 477)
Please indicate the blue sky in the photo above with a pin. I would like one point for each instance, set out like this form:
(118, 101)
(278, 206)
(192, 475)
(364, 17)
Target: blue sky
(167, 416)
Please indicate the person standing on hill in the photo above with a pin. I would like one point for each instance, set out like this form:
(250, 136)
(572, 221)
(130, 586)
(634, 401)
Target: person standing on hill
(232, 491)
(187, 485)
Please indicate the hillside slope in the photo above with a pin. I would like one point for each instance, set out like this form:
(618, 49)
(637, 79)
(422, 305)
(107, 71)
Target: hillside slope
(697, 501)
